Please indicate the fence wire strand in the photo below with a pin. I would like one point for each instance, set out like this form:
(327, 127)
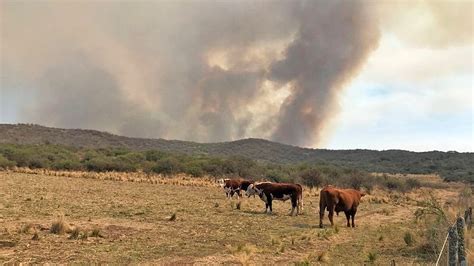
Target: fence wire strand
(442, 249)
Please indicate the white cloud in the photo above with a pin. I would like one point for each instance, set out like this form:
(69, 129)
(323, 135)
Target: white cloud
(409, 98)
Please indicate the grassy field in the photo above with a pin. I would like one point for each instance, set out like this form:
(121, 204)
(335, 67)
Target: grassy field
(180, 220)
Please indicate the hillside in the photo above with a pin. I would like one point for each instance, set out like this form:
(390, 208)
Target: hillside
(452, 165)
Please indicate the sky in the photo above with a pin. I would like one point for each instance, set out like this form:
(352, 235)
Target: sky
(321, 74)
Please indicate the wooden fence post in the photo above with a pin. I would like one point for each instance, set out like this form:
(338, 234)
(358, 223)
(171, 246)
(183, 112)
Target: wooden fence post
(453, 246)
(461, 243)
(468, 218)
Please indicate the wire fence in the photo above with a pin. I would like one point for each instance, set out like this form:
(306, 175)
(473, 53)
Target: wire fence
(454, 246)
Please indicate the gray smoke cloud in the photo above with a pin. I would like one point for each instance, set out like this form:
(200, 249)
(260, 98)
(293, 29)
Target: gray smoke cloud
(202, 71)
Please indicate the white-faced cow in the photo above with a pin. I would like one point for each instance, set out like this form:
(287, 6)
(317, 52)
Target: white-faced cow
(268, 192)
(234, 186)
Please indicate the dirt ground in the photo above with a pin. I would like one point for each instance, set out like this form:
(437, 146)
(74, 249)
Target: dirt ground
(186, 221)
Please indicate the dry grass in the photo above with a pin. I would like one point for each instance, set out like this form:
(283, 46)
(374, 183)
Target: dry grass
(138, 177)
(129, 224)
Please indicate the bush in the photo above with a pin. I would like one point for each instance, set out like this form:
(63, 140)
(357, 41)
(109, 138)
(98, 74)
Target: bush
(103, 164)
(312, 178)
(67, 165)
(277, 175)
(394, 184)
(154, 155)
(5, 163)
(412, 183)
(194, 169)
(167, 166)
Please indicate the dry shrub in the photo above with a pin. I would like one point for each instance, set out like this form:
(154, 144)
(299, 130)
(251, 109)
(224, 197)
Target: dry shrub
(75, 233)
(83, 236)
(173, 217)
(96, 233)
(59, 227)
(372, 256)
(243, 252)
(384, 211)
(26, 228)
(35, 237)
(282, 249)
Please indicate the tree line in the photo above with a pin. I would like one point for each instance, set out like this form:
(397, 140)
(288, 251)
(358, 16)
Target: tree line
(318, 174)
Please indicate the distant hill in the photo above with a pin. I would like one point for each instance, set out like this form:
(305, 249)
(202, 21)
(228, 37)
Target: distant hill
(452, 165)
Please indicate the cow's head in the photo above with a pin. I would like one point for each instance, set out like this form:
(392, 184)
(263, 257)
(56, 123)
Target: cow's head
(252, 190)
(221, 182)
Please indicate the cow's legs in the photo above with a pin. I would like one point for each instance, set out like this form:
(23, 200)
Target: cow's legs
(292, 211)
(294, 205)
(322, 208)
(353, 216)
(348, 217)
(270, 204)
(239, 195)
(331, 214)
(266, 207)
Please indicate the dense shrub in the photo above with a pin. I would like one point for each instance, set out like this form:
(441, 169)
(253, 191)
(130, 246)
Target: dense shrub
(5, 163)
(167, 166)
(312, 177)
(103, 164)
(67, 165)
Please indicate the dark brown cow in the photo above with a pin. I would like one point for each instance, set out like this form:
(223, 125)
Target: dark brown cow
(234, 186)
(338, 200)
(278, 191)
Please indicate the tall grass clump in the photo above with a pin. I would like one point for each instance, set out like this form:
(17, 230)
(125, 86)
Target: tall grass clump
(59, 227)
(433, 218)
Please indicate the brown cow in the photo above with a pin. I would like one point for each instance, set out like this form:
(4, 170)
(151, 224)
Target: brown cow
(234, 186)
(334, 199)
(278, 191)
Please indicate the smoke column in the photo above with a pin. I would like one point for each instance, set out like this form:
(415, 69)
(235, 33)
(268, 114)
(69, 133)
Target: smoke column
(202, 71)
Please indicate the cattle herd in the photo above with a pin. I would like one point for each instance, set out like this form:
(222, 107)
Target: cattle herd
(331, 198)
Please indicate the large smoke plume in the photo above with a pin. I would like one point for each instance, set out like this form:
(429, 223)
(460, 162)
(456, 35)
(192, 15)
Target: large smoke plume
(204, 70)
